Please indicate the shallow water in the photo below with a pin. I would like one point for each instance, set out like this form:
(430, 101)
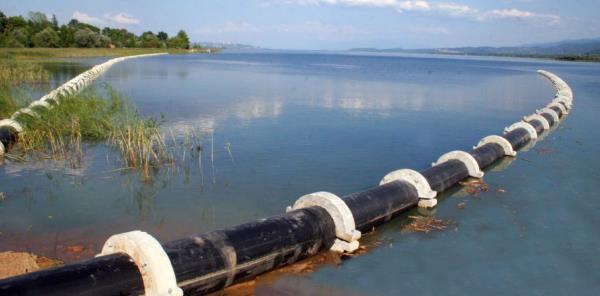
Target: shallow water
(304, 122)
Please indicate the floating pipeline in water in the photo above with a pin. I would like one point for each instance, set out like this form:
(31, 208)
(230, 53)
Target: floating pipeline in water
(10, 127)
(136, 263)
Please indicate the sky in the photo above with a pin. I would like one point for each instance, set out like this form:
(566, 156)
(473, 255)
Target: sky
(338, 24)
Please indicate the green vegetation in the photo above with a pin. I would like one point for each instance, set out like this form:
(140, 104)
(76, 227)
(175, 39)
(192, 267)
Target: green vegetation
(38, 31)
(15, 54)
(14, 75)
(90, 117)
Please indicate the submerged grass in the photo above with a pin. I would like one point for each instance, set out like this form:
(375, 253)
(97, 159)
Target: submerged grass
(90, 117)
(13, 76)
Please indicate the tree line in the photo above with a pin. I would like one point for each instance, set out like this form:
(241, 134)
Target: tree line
(37, 30)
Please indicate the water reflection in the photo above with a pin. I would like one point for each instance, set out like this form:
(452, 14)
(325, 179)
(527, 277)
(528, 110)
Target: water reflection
(277, 126)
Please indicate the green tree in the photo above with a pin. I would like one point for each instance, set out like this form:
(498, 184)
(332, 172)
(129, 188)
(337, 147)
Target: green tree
(184, 41)
(3, 22)
(18, 38)
(84, 38)
(149, 40)
(15, 22)
(38, 17)
(162, 36)
(54, 22)
(120, 37)
(37, 21)
(181, 40)
(46, 38)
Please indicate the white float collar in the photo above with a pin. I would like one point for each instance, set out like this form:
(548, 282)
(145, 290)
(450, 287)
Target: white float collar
(345, 227)
(551, 112)
(539, 118)
(39, 103)
(27, 111)
(524, 125)
(560, 106)
(565, 92)
(504, 143)
(426, 194)
(464, 157)
(564, 100)
(149, 257)
(12, 123)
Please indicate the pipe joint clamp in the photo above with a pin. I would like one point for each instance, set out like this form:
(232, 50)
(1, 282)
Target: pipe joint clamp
(539, 118)
(11, 123)
(426, 194)
(562, 107)
(564, 100)
(345, 227)
(524, 125)
(151, 260)
(504, 143)
(467, 159)
(551, 112)
(26, 111)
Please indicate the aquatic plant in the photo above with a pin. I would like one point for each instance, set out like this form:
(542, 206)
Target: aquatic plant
(92, 116)
(13, 75)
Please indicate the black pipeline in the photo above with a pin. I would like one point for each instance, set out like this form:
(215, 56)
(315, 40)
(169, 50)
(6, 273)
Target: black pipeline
(135, 263)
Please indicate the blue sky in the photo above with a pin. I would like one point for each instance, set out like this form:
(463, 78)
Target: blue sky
(338, 24)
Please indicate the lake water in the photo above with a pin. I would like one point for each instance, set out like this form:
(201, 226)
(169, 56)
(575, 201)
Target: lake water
(279, 125)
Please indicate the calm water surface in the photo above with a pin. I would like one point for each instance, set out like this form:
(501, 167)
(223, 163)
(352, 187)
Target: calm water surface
(281, 125)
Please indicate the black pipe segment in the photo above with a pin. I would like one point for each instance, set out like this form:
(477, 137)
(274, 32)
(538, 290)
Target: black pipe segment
(548, 117)
(564, 104)
(557, 110)
(8, 136)
(380, 204)
(537, 125)
(519, 137)
(212, 261)
(202, 263)
(114, 274)
(445, 175)
(487, 154)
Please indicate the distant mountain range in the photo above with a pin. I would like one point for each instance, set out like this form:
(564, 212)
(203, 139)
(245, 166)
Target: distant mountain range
(562, 48)
(225, 45)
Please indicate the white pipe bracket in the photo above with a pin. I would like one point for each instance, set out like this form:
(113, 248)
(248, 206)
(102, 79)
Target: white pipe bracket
(551, 112)
(539, 118)
(11, 123)
(426, 194)
(27, 111)
(504, 143)
(564, 100)
(39, 103)
(345, 228)
(150, 258)
(524, 125)
(464, 157)
(560, 106)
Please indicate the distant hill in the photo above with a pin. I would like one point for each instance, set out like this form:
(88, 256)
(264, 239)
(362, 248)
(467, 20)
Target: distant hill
(580, 47)
(224, 45)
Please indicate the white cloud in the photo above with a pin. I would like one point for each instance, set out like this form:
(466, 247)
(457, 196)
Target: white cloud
(322, 31)
(317, 27)
(229, 27)
(86, 18)
(520, 14)
(122, 18)
(446, 8)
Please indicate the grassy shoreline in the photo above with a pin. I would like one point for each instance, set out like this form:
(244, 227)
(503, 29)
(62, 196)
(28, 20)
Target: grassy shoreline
(51, 53)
